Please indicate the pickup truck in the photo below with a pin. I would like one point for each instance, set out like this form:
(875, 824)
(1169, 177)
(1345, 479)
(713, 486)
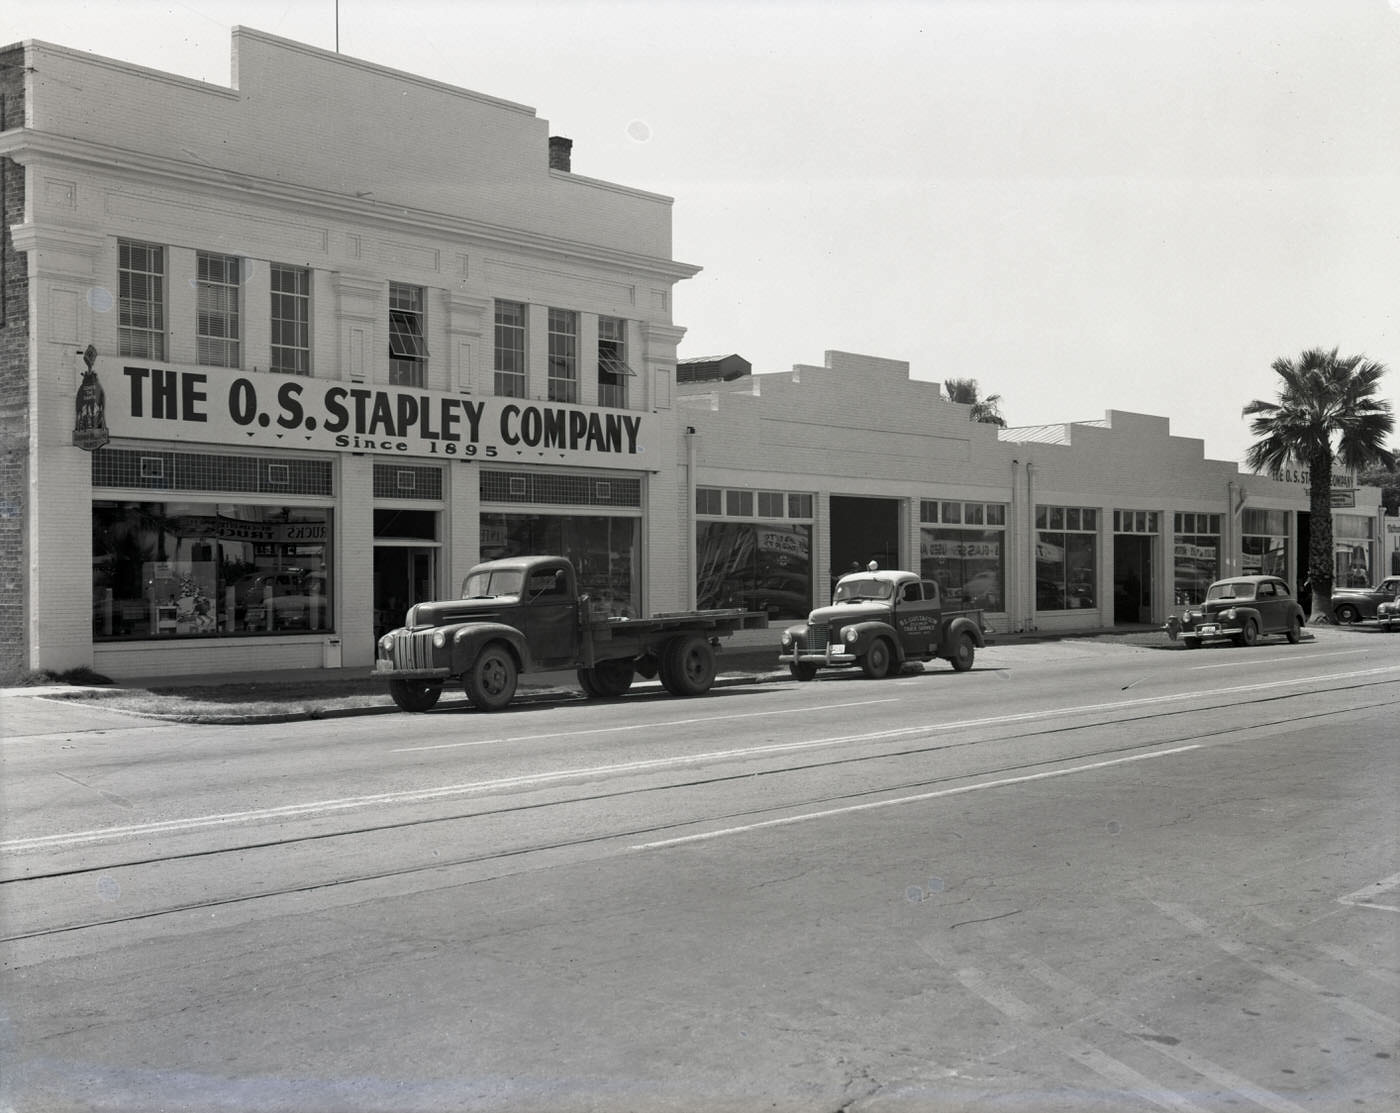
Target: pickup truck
(877, 621)
(525, 614)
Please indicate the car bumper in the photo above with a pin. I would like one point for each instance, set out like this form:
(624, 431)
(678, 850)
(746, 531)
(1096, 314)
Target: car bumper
(832, 658)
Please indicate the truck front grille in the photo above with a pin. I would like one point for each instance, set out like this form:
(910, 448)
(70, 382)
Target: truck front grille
(412, 651)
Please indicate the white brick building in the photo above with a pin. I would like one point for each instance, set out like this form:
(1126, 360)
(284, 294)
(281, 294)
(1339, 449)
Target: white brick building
(353, 329)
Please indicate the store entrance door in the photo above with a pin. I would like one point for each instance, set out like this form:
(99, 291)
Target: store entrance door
(863, 530)
(1132, 579)
(403, 575)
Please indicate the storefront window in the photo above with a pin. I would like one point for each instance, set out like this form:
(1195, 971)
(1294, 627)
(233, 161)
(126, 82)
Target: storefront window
(187, 569)
(603, 551)
(759, 566)
(1066, 558)
(1264, 543)
(1353, 547)
(1197, 556)
(968, 565)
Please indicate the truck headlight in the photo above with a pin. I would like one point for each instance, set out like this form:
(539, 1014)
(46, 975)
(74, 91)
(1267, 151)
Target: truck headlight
(439, 639)
(386, 645)
(787, 639)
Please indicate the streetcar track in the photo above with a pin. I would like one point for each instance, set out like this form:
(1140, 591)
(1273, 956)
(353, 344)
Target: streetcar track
(659, 828)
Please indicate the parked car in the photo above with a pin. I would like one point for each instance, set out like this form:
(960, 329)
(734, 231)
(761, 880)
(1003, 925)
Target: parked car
(1242, 609)
(1357, 604)
(1388, 614)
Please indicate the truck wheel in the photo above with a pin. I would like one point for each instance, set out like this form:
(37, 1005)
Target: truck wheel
(803, 671)
(963, 653)
(607, 679)
(490, 682)
(414, 695)
(688, 666)
(876, 662)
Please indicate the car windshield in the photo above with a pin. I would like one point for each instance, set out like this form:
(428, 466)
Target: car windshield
(853, 589)
(493, 583)
(1230, 591)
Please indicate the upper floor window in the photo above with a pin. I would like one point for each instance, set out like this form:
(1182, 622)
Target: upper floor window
(291, 319)
(141, 299)
(408, 354)
(563, 355)
(613, 371)
(217, 331)
(510, 349)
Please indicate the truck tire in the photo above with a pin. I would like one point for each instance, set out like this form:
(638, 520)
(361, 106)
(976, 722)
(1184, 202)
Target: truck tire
(490, 682)
(607, 679)
(688, 666)
(877, 660)
(964, 652)
(414, 695)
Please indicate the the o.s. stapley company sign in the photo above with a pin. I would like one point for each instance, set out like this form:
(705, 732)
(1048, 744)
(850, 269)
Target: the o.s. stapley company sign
(221, 406)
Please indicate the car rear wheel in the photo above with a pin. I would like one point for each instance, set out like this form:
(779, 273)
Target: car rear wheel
(876, 662)
(688, 666)
(1348, 614)
(1295, 632)
(1250, 634)
(414, 695)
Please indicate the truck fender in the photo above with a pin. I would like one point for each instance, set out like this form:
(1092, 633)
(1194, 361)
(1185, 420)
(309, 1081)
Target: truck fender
(867, 632)
(960, 626)
(467, 642)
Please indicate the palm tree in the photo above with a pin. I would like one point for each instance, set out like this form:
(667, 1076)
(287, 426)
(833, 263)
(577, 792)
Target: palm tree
(986, 409)
(1326, 411)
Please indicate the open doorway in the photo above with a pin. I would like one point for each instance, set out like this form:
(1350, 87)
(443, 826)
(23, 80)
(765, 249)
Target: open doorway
(1133, 582)
(862, 530)
(403, 575)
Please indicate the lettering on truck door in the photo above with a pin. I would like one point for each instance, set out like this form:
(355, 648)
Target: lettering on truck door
(916, 619)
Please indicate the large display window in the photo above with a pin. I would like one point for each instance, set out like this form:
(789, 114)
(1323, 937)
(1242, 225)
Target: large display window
(756, 566)
(1264, 542)
(1196, 556)
(193, 569)
(965, 553)
(1066, 558)
(604, 550)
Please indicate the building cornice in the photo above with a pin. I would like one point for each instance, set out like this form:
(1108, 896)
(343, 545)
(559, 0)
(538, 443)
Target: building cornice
(30, 147)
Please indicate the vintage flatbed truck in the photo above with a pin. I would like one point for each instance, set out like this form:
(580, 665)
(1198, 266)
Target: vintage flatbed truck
(876, 622)
(525, 614)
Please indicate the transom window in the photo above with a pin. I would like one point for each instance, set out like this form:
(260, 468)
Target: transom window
(510, 349)
(563, 355)
(1076, 519)
(291, 319)
(737, 502)
(217, 333)
(408, 352)
(141, 299)
(962, 513)
(1186, 522)
(1135, 521)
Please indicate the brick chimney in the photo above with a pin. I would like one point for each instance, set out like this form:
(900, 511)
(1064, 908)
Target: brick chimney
(560, 152)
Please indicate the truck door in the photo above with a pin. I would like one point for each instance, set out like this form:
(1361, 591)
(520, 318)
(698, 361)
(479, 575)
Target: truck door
(916, 619)
(551, 618)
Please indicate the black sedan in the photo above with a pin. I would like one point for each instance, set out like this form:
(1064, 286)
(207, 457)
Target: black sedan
(1241, 609)
(1358, 604)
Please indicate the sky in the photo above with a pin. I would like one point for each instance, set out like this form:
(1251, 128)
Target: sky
(1082, 204)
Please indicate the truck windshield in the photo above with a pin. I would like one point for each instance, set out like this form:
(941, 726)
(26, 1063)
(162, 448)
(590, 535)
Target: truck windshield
(493, 583)
(853, 589)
